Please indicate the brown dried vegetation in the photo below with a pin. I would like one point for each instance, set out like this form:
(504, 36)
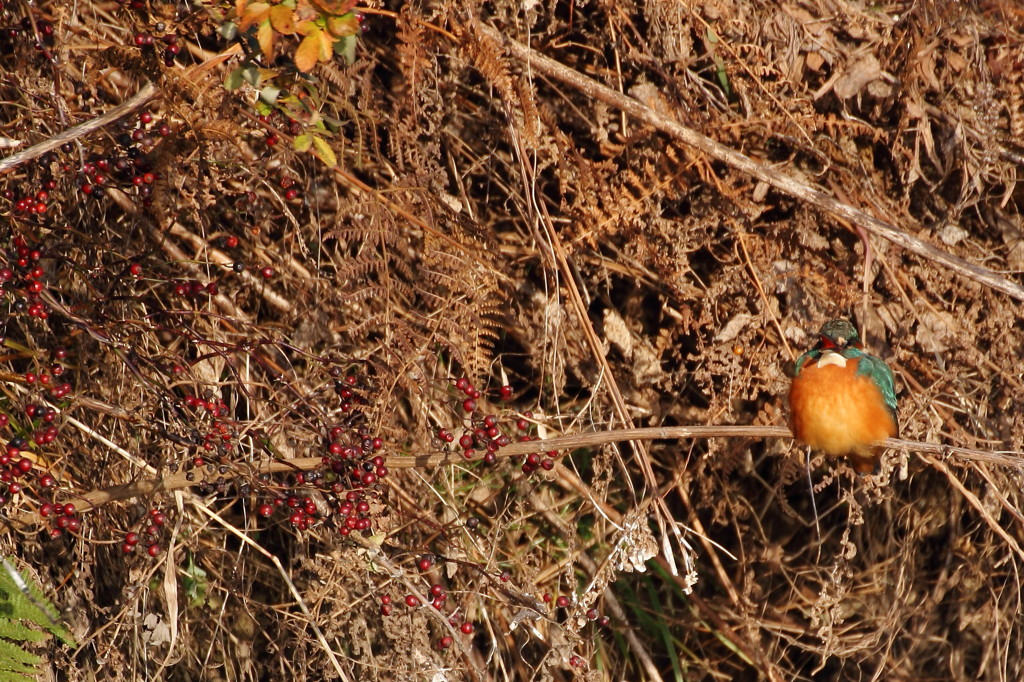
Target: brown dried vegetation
(490, 219)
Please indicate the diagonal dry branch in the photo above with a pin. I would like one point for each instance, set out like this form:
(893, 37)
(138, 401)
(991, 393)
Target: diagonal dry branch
(772, 176)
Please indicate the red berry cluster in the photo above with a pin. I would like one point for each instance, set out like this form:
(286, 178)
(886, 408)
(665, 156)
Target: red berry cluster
(17, 466)
(222, 432)
(148, 42)
(62, 518)
(349, 390)
(42, 36)
(194, 289)
(130, 173)
(356, 468)
(482, 432)
(351, 471)
(291, 192)
(151, 527)
(438, 599)
(22, 277)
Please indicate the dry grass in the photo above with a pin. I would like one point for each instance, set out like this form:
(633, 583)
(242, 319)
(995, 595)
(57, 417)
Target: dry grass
(508, 219)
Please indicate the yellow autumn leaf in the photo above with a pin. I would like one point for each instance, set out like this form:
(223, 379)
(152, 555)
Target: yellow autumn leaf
(326, 46)
(308, 53)
(265, 37)
(306, 27)
(324, 152)
(282, 18)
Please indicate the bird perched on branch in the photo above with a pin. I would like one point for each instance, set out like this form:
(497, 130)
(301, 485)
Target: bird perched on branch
(843, 399)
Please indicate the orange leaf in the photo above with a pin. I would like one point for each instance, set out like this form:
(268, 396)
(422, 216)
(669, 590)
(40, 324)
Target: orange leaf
(308, 53)
(254, 13)
(283, 19)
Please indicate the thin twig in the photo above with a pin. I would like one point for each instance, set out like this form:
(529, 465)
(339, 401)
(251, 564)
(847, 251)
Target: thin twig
(87, 501)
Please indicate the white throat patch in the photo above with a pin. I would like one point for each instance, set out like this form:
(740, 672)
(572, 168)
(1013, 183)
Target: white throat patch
(830, 357)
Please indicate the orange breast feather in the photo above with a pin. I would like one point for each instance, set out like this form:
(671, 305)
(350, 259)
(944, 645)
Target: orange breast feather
(837, 411)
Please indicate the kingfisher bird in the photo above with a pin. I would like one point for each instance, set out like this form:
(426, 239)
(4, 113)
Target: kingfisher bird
(843, 399)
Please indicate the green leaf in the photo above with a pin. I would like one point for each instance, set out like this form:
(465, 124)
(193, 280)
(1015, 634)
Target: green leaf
(228, 30)
(302, 143)
(195, 583)
(234, 79)
(346, 47)
(250, 73)
(269, 94)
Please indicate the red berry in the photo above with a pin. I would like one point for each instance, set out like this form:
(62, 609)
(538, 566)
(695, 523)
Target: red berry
(146, 117)
(412, 600)
(267, 272)
(562, 602)
(153, 550)
(467, 628)
(468, 404)
(135, 269)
